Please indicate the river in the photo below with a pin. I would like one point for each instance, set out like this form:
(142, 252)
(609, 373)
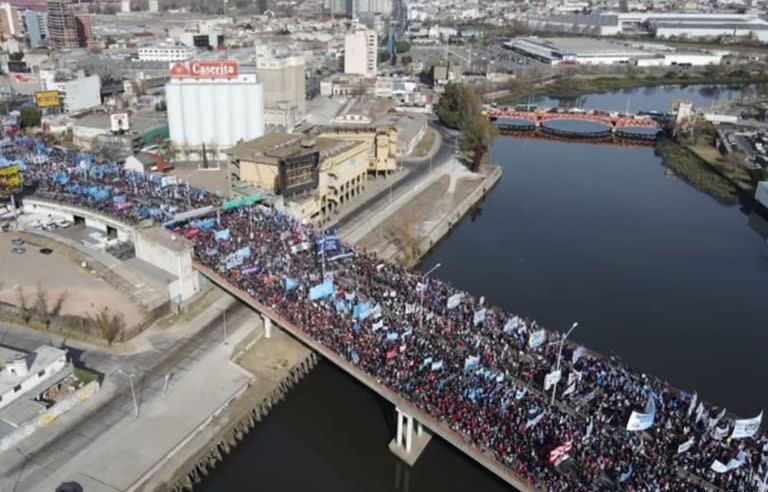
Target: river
(653, 270)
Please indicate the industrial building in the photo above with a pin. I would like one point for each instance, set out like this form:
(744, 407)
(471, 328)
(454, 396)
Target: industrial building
(212, 106)
(284, 90)
(660, 24)
(361, 52)
(312, 176)
(165, 53)
(586, 51)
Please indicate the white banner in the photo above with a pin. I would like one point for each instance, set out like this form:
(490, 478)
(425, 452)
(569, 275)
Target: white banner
(719, 433)
(746, 427)
(511, 325)
(639, 421)
(376, 312)
(479, 317)
(718, 467)
(436, 366)
(378, 325)
(410, 308)
(454, 301)
(574, 376)
(552, 378)
(536, 338)
(685, 446)
(471, 361)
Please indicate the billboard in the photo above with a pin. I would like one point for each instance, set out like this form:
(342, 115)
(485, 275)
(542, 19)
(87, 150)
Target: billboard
(47, 99)
(10, 178)
(25, 84)
(226, 69)
(119, 122)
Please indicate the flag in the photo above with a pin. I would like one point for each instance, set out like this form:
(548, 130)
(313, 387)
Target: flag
(355, 358)
(410, 308)
(479, 317)
(421, 287)
(392, 336)
(714, 421)
(692, 406)
(376, 311)
(551, 379)
(534, 421)
(520, 394)
(719, 433)
(570, 389)
(454, 301)
(361, 310)
(291, 284)
(321, 291)
(574, 376)
(536, 339)
(626, 475)
(685, 446)
(557, 455)
(426, 362)
(590, 426)
(639, 421)
(511, 325)
(746, 427)
(378, 325)
(578, 354)
(436, 366)
(471, 362)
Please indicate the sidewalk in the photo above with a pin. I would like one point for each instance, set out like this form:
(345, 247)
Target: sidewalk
(199, 385)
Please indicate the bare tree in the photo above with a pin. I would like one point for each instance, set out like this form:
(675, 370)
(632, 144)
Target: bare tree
(59, 304)
(109, 324)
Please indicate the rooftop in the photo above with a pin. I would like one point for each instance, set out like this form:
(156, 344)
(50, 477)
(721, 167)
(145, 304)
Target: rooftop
(140, 122)
(275, 147)
(37, 360)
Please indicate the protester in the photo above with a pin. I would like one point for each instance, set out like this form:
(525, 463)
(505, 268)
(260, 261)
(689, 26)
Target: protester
(476, 368)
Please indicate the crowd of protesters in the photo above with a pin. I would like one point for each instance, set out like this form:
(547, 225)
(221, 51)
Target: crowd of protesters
(472, 366)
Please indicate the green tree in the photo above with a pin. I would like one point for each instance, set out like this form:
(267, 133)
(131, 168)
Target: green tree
(461, 107)
(402, 46)
(384, 56)
(30, 117)
(406, 59)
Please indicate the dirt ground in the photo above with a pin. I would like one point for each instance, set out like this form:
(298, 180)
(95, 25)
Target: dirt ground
(83, 294)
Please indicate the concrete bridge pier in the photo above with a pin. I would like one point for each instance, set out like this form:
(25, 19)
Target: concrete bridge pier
(407, 444)
(267, 326)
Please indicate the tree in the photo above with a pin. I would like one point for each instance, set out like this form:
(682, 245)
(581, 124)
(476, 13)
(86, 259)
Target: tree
(461, 107)
(402, 46)
(406, 60)
(110, 325)
(18, 56)
(384, 56)
(30, 117)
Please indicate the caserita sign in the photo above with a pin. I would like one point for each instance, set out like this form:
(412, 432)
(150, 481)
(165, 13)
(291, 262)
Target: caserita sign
(206, 70)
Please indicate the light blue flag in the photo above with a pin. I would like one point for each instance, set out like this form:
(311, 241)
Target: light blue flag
(291, 284)
(626, 475)
(392, 336)
(322, 291)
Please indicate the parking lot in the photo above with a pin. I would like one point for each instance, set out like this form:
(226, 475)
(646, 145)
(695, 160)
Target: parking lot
(30, 267)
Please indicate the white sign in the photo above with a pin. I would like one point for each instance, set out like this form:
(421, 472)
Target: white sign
(639, 421)
(454, 301)
(746, 427)
(552, 378)
(536, 338)
(119, 122)
(511, 325)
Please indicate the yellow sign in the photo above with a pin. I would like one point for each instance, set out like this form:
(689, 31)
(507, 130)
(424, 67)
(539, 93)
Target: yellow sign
(10, 178)
(47, 99)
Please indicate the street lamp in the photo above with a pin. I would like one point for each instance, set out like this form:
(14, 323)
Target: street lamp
(133, 392)
(559, 356)
(424, 287)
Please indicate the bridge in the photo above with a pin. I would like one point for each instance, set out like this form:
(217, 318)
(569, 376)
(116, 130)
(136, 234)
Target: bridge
(449, 363)
(614, 121)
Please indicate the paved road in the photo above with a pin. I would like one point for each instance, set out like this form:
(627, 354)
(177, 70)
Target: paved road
(50, 448)
(417, 169)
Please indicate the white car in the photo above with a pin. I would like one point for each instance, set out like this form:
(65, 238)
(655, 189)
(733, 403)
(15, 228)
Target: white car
(49, 226)
(63, 223)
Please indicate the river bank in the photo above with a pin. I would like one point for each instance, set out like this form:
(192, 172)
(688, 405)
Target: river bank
(577, 86)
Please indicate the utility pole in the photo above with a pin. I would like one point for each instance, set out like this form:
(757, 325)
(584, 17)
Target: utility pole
(224, 322)
(133, 392)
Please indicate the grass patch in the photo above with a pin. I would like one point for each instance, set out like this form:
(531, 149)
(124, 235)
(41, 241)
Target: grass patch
(425, 144)
(84, 375)
(696, 171)
(736, 174)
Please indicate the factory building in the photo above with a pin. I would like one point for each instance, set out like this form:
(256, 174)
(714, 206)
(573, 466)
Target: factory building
(211, 107)
(585, 51)
(284, 90)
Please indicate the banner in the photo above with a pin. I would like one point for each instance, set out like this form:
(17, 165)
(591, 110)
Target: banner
(692, 406)
(574, 376)
(746, 427)
(329, 244)
(479, 317)
(376, 311)
(392, 336)
(454, 301)
(552, 379)
(685, 446)
(296, 248)
(719, 433)
(719, 467)
(378, 325)
(639, 421)
(716, 420)
(361, 310)
(570, 389)
(410, 308)
(321, 291)
(559, 453)
(222, 235)
(536, 338)
(471, 362)
(436, 366)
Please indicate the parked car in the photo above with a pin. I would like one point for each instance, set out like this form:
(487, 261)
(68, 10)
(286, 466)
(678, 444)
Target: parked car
(18, 250)
(49, 226)
(17, 242)
(63, 223)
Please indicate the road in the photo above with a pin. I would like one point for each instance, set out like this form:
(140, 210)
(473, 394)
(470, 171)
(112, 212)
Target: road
(417, 170)
(49, 449)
